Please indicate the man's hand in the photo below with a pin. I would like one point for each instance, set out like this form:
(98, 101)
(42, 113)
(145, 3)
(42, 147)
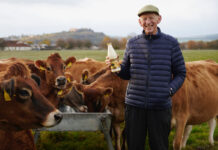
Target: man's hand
(108, 61)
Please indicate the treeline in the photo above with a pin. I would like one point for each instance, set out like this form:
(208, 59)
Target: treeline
(118, 43)
(73, 44)
(81, 44)
(199, 45)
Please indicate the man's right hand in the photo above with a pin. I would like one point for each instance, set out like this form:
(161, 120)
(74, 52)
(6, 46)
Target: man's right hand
(108, 61)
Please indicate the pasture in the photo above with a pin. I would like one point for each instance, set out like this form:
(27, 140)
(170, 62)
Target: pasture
(198, 139)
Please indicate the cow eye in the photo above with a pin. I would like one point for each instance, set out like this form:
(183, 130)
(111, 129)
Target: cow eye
(48, 68)
(64, 67)
(25, 93)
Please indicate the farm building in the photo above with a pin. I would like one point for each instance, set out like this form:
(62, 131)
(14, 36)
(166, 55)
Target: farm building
(16, 46)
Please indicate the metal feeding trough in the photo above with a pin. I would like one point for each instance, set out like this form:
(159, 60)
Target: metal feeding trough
(83, 122)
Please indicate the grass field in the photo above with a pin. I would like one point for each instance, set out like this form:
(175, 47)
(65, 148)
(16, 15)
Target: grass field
(198, 139)
(189, 55)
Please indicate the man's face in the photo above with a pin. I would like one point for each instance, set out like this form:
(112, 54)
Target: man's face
(149, 22)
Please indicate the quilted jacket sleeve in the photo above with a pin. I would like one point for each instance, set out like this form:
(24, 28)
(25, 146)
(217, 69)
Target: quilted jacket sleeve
(178, 68)
(125, 66)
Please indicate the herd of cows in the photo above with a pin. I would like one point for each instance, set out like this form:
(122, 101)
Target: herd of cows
(32, 91)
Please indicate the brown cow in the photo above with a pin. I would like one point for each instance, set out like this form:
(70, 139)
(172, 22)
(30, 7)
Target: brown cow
(76, 72)
(108, 90)
(22, 106)
(52, 76)
(51, 72)
(192, 104)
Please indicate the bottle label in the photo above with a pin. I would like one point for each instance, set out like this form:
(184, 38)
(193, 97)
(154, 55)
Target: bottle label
(115, 66)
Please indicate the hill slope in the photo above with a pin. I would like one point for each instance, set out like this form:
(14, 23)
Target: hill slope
(78, 34)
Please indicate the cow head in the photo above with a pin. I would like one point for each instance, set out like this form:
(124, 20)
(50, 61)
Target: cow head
(70, 97)
(86, 79)
(22, 106)
(96, 99)
(54, 68)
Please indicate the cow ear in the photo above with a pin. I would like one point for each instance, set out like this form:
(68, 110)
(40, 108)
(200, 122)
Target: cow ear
(68, 76)
(8, 89)
(70, 61)
(108, 91)
(85, 75)
(40, 64)
(36, 79)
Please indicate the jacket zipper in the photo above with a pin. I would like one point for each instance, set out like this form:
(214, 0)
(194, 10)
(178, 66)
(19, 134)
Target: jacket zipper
(148, 75)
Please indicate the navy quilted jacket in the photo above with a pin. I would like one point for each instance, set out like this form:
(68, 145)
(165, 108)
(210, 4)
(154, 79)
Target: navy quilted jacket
(153, 64)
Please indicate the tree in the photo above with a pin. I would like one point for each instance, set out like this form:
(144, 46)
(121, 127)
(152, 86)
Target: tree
(46, 41)
(87, 43)
(123, 42)
(29, 42)
(2, 44)
(79, 43)
(60, 43)
(115, 43)
(191, 45)
(105, 41)
(70, 43)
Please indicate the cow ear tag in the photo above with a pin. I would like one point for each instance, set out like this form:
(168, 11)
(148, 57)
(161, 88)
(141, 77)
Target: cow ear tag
(7, 96)
(106, 95)
(69, 65)
(60, 92)
(85, 77)
(68, 79)
(42, 68)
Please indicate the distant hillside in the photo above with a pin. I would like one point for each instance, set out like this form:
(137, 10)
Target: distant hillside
(78, 34)
(199, 38)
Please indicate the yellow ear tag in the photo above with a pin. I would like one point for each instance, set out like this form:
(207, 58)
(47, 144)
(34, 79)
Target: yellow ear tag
(42, 68)
(7, 96)
(68, 79)
(69, 65)
(60, 92)
(85, 77)
(106, 95)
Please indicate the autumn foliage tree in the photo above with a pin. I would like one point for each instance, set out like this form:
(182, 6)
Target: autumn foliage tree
(117, 43)
(199, 45)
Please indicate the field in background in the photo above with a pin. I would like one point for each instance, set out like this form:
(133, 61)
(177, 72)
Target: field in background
(189, 55)
(198, 139)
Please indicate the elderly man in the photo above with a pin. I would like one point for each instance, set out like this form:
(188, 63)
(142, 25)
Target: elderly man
(154, 65)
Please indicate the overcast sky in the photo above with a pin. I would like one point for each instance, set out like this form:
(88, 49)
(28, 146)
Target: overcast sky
(180, 18)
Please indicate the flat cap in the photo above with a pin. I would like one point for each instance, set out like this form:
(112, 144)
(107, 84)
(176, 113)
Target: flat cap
(148, 9)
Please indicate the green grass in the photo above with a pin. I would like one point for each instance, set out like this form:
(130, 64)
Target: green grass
(198, 139)
(189, 55)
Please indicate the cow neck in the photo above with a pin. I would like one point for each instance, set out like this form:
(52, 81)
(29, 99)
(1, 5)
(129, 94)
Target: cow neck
(48, 91)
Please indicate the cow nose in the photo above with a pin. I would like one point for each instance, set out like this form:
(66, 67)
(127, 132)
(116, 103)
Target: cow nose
(58, 117)
(61, 81)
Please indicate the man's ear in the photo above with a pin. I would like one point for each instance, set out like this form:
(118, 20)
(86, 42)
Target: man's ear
(159, 19)
(140, 23)
(8, 89)
(40, 64)
(70, 61)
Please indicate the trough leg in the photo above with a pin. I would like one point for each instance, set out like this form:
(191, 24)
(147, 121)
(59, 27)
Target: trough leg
(36, 135)
(105, 130)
